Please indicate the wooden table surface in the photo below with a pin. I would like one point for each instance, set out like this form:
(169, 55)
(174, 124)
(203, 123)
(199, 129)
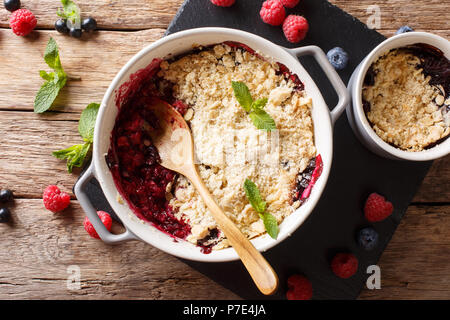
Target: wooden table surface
(38, 246)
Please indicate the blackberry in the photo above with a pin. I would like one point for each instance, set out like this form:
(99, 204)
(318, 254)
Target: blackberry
(11, 5)
(89, 24)
(6, 195)
(5, 215)
(61, 26)
(75, 33)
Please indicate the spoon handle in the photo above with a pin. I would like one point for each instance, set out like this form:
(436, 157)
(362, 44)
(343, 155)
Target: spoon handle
(259, 269)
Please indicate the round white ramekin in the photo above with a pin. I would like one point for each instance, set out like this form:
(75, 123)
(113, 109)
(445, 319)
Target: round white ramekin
(174, 45)
(355, 112)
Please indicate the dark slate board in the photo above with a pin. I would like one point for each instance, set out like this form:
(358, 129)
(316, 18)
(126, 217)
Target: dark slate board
(355, 173)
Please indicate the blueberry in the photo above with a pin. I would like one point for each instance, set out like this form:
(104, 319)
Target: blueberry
(89, 24)
(368, 238)
(61, 26)
(6, 195)
(403, 30)
(76, 33)
(11, 5)
(5, 214)
(338, 58)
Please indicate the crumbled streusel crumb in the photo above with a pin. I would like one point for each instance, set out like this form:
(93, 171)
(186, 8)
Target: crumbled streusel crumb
(405, 110)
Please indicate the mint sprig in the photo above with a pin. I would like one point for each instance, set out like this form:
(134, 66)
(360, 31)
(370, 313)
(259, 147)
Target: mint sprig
(70, 11)
(86, 124)
(255, 199)
(55, 80)
(259, 104)
(242, 94)
(260, 118)
(76, 154)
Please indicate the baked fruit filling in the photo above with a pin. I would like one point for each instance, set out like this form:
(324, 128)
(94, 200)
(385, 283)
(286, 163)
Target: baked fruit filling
(229, 147)
(406, 97)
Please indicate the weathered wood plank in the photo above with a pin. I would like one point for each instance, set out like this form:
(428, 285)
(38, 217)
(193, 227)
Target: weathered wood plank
(416, 263)
(436, 185)
(25, 151)
(132, 14)
(421, 15)
(36, 266)
(96, 61)
(143, 14)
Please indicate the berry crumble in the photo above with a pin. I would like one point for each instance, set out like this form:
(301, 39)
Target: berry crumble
(229, 148)
(406, 97)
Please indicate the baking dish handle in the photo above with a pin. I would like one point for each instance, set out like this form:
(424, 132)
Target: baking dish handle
(91, 212)
(331, 74)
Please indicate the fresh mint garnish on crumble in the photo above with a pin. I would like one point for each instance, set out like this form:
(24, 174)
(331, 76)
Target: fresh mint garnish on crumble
(70, 11)
(76, 154)
(55, 80)
(242, 94)
(255, 199)
(255, 109)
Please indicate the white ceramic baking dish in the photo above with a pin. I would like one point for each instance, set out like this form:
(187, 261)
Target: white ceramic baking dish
(171, 46)
(355, 111)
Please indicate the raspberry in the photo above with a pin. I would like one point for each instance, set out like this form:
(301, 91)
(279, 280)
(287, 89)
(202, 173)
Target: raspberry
(300, 288)
(223, 3)
(290, 3)
(54, 199)
(22, 22)
(377, 208)
(295, 28)
(272, 12)
(106, 219)
(344, 265)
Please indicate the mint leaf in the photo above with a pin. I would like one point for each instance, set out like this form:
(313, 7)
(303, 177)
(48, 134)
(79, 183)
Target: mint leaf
(55, 81)
(242, 94)
(87, 122)
(75, 155)
(47, 76)
(51, 55)
(260, 103)
(270, 224)
(253, 196)
(70, 11)
(262, 120)
(255, 199)
(47, 94)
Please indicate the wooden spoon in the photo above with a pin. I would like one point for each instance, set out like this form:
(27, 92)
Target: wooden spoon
(175, 145)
